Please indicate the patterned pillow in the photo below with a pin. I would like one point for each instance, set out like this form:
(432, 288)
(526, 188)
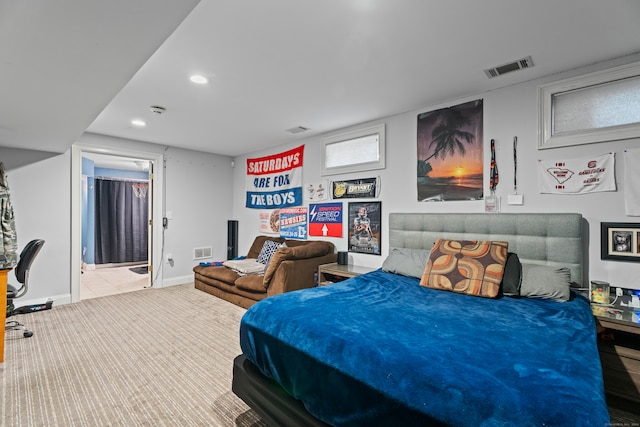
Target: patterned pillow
(466, 266)
(268, 249)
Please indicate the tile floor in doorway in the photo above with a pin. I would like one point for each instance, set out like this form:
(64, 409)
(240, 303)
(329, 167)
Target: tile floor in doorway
(109, 281)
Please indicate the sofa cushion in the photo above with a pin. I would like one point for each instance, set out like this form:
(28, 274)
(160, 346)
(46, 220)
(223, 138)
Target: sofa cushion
(222, 274)
(267, 251)
(251, 283)
(258, 243)
(308, 250)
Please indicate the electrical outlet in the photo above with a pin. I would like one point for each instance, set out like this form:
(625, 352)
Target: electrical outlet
(619, 292)
(169, 258)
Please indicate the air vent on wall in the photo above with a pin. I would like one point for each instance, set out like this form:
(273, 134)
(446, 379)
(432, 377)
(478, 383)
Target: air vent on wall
(201, 253)
(507, 68)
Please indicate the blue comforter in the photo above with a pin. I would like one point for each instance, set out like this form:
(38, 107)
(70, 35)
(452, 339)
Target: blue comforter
(379, 349)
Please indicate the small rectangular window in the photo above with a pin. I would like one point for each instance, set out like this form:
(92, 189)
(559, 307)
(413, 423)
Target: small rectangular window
(603, 106)
(360, 150)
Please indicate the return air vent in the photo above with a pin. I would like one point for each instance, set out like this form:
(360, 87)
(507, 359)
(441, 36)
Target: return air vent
(202, 253)
(507, 68)
(298, 129)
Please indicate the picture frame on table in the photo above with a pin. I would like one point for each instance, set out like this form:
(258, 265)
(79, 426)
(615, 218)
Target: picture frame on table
(620, 241)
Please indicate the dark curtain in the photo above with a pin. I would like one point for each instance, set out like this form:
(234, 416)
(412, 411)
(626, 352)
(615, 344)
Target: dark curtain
(121, 213)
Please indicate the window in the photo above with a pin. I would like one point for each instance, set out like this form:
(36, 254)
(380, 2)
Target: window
(603, 106)
(356, 151)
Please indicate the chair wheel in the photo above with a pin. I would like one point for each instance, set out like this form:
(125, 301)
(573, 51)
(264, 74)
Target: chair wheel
(27, 334)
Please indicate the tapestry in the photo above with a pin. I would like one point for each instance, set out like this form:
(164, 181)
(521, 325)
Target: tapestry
(293, 223)
(577, 176)
(269, 221)
(450, 153)
(275, 181)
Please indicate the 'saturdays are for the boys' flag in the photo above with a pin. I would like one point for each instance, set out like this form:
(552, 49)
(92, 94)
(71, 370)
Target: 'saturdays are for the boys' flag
(578, 176)
(275, 181)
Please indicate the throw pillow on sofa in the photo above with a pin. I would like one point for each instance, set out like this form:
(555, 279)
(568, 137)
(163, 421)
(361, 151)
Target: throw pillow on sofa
(268, 249)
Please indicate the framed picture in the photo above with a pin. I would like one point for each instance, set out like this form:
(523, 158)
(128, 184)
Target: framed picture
(620, 241)
(365, 227)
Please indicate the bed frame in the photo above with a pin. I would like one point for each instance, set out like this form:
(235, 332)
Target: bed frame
(554, 239)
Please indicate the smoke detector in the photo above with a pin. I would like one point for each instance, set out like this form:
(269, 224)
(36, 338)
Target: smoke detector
(156, 109)
(520, 64)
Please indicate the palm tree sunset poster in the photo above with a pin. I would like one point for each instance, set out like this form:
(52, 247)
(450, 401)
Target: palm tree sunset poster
(450, 153)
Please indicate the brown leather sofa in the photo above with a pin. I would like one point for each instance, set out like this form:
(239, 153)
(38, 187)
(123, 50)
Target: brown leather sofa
(291, 268)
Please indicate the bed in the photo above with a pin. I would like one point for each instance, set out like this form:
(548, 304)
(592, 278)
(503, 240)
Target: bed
(381, 349)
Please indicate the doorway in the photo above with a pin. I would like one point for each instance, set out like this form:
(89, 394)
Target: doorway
(155, 190)
(115, 216)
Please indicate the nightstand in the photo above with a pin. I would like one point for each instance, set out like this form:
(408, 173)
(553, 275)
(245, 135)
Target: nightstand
(619, 347)
(334, 272)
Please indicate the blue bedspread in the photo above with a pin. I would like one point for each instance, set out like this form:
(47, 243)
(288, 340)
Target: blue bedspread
(379, 349)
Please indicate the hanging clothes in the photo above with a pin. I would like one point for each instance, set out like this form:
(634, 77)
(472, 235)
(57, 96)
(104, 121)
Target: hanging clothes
(9, 243)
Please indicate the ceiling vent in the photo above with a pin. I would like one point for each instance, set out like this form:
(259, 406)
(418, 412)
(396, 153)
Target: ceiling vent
(156, 109)
(298, 129)
(507, 68)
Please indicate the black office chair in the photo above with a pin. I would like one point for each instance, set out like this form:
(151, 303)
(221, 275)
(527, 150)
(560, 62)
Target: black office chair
(27, 256)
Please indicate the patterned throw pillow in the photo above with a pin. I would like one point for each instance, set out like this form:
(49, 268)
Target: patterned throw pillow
(268, 249)
(466, 266)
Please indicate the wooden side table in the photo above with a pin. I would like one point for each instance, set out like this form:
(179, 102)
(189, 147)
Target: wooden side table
(619, 347)
(334, 272)
(3, 305)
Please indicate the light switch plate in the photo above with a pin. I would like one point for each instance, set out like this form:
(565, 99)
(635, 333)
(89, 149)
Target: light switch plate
(515, 199)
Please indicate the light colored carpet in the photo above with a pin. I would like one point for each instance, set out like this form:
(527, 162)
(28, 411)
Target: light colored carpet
(154, 357)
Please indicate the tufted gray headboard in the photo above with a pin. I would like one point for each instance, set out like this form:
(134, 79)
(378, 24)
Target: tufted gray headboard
(553, 239)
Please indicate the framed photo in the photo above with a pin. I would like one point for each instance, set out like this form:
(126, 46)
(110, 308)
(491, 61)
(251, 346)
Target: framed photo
(365, 227)
(620, 241)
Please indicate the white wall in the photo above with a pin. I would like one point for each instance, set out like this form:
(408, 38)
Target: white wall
(508, 112)
(41, 198)
(197, 192)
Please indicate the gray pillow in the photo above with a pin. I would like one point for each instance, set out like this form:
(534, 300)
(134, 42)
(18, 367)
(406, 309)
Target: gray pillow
(407, 262)
(541, 281)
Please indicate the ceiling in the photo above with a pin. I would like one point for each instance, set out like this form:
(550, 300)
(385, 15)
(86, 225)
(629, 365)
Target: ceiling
(75, 66)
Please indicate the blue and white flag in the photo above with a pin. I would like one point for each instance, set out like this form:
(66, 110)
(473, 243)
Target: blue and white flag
(275, 181)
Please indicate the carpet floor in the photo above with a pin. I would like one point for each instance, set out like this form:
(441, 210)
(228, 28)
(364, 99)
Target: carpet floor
(154, 357)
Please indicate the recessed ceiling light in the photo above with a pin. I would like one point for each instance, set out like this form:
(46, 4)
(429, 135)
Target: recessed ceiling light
(139, 123)
(199, 79)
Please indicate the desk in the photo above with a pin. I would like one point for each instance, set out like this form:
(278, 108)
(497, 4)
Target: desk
(3, 304)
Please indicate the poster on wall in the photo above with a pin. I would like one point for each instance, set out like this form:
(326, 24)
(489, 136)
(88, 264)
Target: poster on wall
(270, 222)
(316, 191)
(275, 181)
(450, 153)
(325, 219)
(365, 227)
(578, 176)
(293, 223)
(356, 188)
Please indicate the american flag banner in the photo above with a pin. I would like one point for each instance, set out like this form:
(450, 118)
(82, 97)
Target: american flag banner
(577, 176)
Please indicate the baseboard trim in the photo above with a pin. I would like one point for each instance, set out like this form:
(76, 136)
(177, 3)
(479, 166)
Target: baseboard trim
(180, 280)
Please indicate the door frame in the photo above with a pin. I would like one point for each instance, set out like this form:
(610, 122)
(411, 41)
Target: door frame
(156, 229)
